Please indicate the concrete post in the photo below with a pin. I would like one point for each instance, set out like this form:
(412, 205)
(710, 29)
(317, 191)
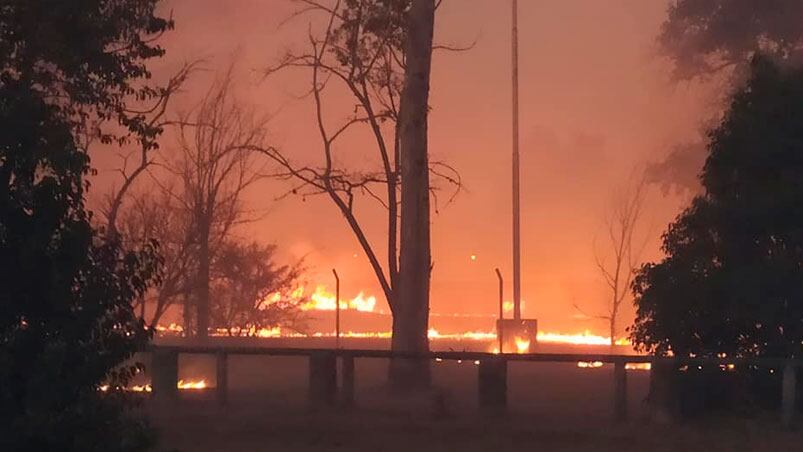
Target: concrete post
(619, 392)
(322, 379)
(664, 398)
(347, 382)
(788, 394)
(222, 378)
(164, 375)
(492, 384)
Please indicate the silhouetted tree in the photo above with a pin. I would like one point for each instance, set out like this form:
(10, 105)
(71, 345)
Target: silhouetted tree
(154, 215)
(732, 281)
(67, 70)
(707, 39)
(155, 117)
(621, 259)
(250, 290)
(218, 144)
(363, 51)
(411, 317)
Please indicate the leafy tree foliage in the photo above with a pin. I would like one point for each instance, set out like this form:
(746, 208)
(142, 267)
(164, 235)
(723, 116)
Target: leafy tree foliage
(66, 322)
(705, 36)
(732, 279)
(251, 291)
(716, 39)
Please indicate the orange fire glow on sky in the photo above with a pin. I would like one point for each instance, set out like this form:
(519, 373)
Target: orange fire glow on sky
(574, 152)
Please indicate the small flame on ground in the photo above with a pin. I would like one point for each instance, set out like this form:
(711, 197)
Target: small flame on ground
(522, 344)
(598, 364)
(585, 338)
(191, 384)
(135, 388)
(589, 364)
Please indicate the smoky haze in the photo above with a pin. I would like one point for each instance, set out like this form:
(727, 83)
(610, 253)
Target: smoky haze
(596, 104)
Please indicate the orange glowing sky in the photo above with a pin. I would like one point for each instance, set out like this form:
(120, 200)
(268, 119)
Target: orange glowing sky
(595, 102)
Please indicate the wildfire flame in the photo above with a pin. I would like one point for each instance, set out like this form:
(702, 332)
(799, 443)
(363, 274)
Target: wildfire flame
(192, 384)
(638, 366)
(522, 344)
(585, 338)
(507, 306)
(589, 364)
(598, 364)
(323, 300)
(135, 388)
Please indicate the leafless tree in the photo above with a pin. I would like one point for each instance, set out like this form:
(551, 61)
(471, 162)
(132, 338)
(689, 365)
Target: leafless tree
(617, 265)
(154, 117)
(216, 161)
(154, 215)
(363, 51)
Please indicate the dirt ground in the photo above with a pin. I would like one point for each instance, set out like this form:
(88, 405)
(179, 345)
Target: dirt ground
(552, 407)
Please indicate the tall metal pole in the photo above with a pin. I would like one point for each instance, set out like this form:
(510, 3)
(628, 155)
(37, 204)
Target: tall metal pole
(500, 325)
(516, 200)
(337, 309)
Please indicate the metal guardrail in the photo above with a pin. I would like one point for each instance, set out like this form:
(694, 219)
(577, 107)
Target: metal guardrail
(492, 371)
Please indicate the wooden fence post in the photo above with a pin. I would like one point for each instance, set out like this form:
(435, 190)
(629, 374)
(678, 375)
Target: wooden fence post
(788, 394)
(620, 391)
(664, 396)
(164, 375)
(347, 380)
(492, 385)
(322, 379)
(222, 378)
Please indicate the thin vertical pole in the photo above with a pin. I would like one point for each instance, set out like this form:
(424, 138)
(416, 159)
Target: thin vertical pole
(499, 325)
(222, 377)
(516, 189)
(620, 391)
(337, 309)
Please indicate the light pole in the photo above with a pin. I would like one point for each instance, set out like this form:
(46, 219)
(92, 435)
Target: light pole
(500, 323)
(516, 189)
(337, 309)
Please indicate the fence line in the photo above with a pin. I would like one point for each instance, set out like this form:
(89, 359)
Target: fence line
(492, 371)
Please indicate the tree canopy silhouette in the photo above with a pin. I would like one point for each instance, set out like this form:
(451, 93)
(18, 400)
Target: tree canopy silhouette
(715, 40)
(703, 37)
(732, 279)
(66, 321)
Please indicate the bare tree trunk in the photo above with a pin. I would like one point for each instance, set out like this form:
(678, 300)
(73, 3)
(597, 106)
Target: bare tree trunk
(411, 317)
(202, 284)
(617, 272)
(612, 326)
(187, 314)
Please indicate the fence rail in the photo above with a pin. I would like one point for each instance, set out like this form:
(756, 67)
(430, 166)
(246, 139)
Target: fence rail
(492, 371)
